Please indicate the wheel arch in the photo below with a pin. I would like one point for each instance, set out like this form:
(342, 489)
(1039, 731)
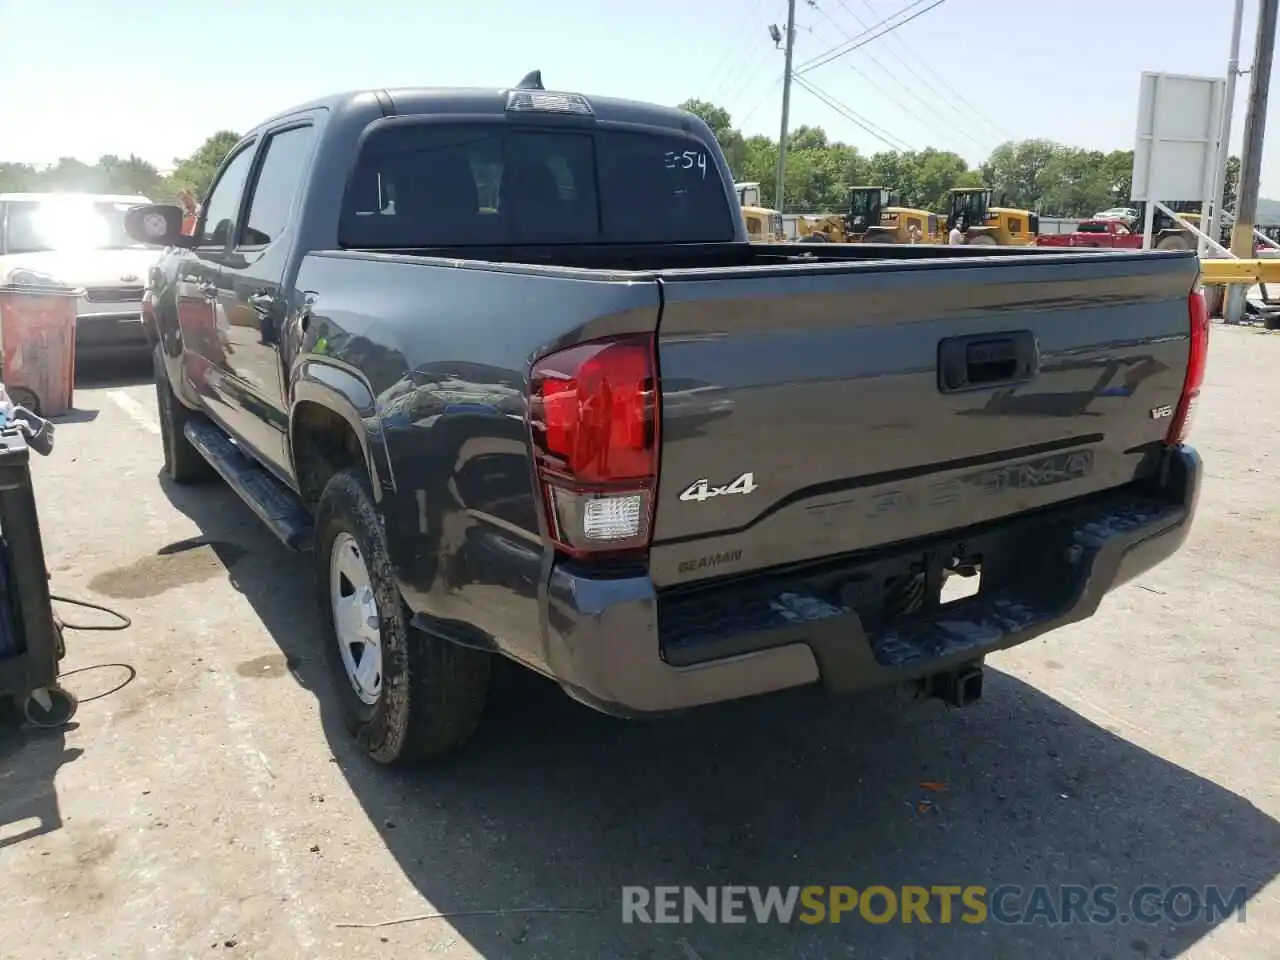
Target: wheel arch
(328, 430)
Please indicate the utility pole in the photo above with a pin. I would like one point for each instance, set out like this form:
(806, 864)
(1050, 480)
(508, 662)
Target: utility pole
(1255, 127)
(786, 103)
(1224, 132)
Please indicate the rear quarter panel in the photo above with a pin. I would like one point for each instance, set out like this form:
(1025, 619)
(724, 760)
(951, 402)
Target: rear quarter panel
(445, 347)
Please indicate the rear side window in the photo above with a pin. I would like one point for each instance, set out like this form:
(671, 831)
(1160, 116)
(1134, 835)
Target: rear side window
(434, 185)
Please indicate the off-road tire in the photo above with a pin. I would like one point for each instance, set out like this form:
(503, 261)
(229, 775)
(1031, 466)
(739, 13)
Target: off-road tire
(1174, 242)
(981, 240)
(183, 463)
(1215, 299)
(433, 692)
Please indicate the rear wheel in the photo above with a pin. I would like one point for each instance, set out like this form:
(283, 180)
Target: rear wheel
(404, 695)
(981, 240)
(182, 462)
(818, 238)
(1174, 241)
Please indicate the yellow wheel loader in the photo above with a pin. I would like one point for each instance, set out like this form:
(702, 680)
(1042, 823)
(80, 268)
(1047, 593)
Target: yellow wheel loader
(985, 225)
(763, 225)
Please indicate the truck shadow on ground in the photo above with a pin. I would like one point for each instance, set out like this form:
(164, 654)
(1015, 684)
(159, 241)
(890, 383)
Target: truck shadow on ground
(554, 806)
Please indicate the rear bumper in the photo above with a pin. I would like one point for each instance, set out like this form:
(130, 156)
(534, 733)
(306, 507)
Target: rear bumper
(623, 649)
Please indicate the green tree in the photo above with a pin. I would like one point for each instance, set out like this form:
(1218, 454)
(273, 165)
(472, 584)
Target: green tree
(196, 172)
(131, 176)
(18, 178)
(1232, 182)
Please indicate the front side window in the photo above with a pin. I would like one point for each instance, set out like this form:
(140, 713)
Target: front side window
(223, 204)
(433, 185)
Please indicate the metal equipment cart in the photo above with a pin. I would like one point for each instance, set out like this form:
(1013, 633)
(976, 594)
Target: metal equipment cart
(31, 644)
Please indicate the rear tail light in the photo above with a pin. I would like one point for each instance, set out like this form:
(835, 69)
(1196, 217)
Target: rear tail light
(593, 414)
(1197, 359)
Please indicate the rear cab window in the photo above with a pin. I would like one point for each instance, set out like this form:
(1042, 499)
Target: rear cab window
(433, 184)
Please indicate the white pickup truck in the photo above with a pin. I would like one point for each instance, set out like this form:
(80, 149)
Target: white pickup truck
(79, 239)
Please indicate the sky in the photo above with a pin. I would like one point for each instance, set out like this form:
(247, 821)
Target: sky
(87, 77)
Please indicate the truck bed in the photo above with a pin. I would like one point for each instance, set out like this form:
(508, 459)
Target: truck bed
(818, 371)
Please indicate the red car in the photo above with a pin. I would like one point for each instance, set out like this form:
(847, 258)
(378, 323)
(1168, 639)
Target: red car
(1095, 233)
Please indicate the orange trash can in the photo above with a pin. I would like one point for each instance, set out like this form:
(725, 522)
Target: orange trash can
(38, 341)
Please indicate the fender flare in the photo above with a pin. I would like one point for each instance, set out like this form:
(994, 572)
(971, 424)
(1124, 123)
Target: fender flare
(348, 395)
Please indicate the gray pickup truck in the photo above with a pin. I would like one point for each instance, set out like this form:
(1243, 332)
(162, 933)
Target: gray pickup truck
(504, 363)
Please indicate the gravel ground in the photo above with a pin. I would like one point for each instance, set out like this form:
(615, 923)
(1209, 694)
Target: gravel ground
(207, 803)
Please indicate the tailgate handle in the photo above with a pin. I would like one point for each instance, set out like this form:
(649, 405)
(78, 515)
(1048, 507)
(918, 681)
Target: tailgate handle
(984, 360)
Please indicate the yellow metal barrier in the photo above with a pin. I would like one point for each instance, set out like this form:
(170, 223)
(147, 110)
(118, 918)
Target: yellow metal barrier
(1223, 270)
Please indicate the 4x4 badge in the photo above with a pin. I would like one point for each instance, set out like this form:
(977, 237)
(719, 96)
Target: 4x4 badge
(702, 489)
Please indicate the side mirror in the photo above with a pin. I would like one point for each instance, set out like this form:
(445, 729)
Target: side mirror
(156, 224)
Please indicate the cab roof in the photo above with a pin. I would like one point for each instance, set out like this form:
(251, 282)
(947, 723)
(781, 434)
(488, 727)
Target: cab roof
(411, 101)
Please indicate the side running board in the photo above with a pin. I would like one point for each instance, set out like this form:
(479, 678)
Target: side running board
(275, 504)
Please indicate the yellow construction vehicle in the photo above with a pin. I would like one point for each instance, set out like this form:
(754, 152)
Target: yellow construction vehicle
(985, 225)
(872, 219)
(827, 228)
(1166, 232)
(763, 225)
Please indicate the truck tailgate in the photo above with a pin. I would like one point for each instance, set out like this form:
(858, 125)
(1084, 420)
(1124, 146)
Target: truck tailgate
(822, 409)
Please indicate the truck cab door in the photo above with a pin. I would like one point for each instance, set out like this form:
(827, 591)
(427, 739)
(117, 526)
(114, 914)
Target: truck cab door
(256, 296)
(200, 281)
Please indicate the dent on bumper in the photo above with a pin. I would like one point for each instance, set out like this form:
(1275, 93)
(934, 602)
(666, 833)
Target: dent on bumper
(603, 641)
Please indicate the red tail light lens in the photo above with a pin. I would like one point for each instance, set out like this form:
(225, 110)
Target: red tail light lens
(1197, 360)
(594, 420)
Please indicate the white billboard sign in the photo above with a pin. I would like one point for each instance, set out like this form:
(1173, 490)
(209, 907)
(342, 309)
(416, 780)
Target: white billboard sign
(1179, 122)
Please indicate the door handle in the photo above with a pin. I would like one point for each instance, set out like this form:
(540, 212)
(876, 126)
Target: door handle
(987, 360)
(262, 303)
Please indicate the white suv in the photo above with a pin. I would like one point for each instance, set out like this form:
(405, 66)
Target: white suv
(79, 239)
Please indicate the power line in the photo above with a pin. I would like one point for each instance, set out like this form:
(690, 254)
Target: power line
(759, 103)
(903, 107)
(736, 42)
(737, 81)
(863, 38)
(924, 64)
(756, 65)
(881, 134)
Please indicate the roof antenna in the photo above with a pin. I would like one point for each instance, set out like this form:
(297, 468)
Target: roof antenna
(531, 81)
